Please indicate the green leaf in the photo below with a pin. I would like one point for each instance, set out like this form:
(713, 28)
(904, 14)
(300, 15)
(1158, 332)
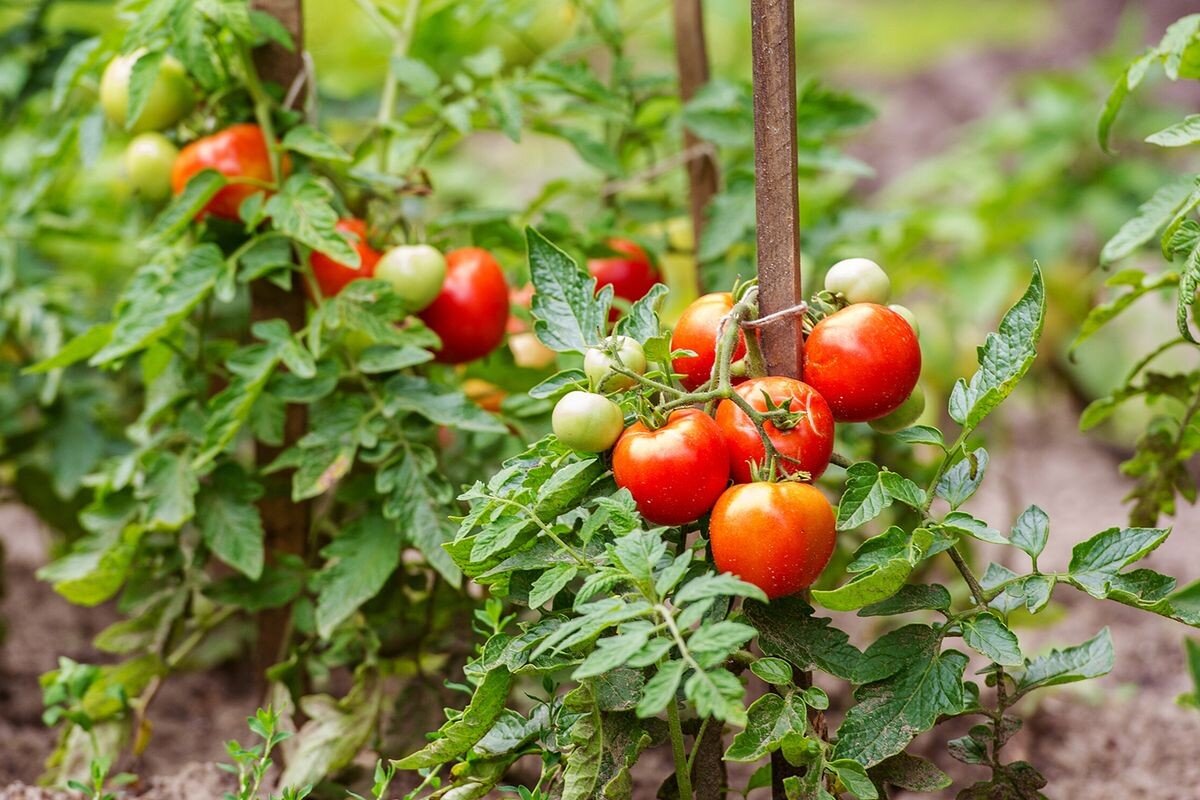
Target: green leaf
(730, 219)
(85, 345)
(867, 588)
(1104, 313)
(1031, 531)
(559, 383)
(358, 564)
(415, 75)
(963, 524)
(315, 144)
(640, 322)
(335, 731)
(769, 719)
(283, 343)
(922, 434)
(169, 492)
(723, 585)
(229, 521)
(774, 671)
(460, 734)
(854, 777)
(869, 490)
(141, 80)
(158, 299)
(1150, 218)
(98, 563)
(612, 652)
(387, 358)
(1004, 358)
(175, 218)
(569, 314)
(303, 209)
(1095, 562)
(1181, 134)
(892, 711)
(986, 634)
(413, 503)
(910, 772)
(720, 637)
(660, 689)
(962, 480)
(716, 693)
(440, 405)
(1091, 659)
(910, 598)
(787, 629)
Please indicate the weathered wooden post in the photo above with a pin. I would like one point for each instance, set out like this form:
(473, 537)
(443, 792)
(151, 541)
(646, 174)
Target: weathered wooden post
(691, 55)
(777, 208)
(285, 523)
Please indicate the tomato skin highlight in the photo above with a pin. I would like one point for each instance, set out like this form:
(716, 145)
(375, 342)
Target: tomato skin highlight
(332, 276)
(777, 536)
(471, 311)
(631, 276)
(864, 360)
(697, 330)
(239, 151)
(809, 442)
(675, 473)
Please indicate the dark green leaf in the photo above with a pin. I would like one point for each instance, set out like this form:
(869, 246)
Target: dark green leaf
(230, 522)
(460, 735)
(1091, 659)
(569, 314)
(986, 634)
(1031, 531)
(787, 629)
(358, 564)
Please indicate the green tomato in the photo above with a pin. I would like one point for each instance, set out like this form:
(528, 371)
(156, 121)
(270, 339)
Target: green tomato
(598, 363)
(148, 160)
(587, 422)
(908, 315)
(170, 97)
(416, 273)
(904, 416)
(859, 280)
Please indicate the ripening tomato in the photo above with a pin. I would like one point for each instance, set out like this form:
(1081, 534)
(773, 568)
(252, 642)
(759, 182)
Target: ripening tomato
(599, 366)
(864, 360)
(528, 352)
(170, 97)
(416, 273)
(631, 276)
(332, 276)
(471, 311)
(778, 536)
(804, 447)
(675, 473)
(903, 417)
(587, 422)
(484, 394)
(148, 159)
(698, 330)
(859, 280)
(239, 151)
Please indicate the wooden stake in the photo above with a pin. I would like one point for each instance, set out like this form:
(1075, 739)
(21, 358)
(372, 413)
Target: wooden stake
(285, 523)
(691, 54)
(777, 208)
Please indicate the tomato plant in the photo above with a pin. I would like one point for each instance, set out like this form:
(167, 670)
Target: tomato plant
(630, 274)
(241, 154)
(332, 275)
(697, 332)
(801, 441)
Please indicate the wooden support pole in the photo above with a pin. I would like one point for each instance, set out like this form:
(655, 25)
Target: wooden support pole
(285, 523)
(691, 55)
(777, 209)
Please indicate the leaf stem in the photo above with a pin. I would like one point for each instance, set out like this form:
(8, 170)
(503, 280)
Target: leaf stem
(683, 779)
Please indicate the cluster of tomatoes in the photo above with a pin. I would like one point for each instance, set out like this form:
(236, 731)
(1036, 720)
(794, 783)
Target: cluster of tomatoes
(771, 527)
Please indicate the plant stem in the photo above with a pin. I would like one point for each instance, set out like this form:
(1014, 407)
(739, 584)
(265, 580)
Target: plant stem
(976, 590)
(683, 779)
(262, 110)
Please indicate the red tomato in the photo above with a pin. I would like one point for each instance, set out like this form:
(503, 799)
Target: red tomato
(778, 536)
(471, 312)
(631, 277)
(697, 330)
(805, 447)
(675, 473)
(864, 360)
(239, 151)
(332, 276)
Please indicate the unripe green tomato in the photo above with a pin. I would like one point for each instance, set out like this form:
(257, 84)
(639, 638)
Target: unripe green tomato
(587, 422)
(859, 280)
(148, 160)
(170, 97)
(908, 315)
(598, 364)
(904, 416)
(416, 273)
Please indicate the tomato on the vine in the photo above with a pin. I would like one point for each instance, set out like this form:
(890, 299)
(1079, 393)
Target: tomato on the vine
(777, 536)
(416, 273)
(148, 160)
(331, 275)
(859, 280)
(170, 97)
(631, 274)
(864, 360)
(239, 153)
(528, 352)
(904, 416)
(698, 330)
(471, 311)
(600, 367)
(587, 422)
(484, 394)
(675, 473)
(804, 447)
